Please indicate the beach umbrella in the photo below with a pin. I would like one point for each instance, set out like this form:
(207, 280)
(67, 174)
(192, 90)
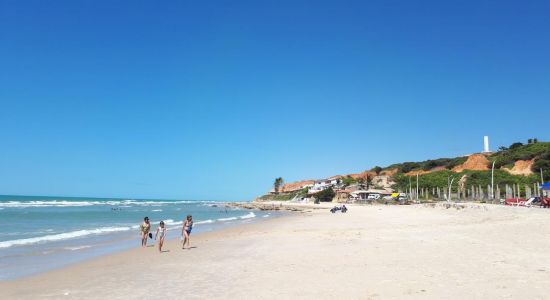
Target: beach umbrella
(545, 186)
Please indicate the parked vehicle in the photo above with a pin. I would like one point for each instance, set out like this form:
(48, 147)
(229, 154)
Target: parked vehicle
(342, 208)
(373, 196)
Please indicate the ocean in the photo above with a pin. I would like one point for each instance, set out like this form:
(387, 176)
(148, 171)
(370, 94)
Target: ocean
(42, 233)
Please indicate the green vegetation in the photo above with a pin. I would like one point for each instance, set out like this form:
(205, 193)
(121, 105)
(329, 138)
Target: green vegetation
(303, 192)
(475, 178)
(348, 180)
(427, 165)
(325, 195)
(278, 197)
(519, 151)
(506, 157)
(377, 170)
(284, 197)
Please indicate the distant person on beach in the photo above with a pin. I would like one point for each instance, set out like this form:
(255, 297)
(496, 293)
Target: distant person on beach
(186, 231)
(144, 228)
(161, 233)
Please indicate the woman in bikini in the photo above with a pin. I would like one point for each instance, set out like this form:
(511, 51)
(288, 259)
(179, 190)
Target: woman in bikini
(144, 229)
(186, 230)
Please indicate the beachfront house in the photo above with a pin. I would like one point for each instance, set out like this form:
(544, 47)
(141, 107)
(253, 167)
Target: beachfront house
(320, 185)
(337, 181)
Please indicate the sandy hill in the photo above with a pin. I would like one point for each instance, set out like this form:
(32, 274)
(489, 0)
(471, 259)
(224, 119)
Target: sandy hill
(518, 160)
(476, 162)
(521, 167)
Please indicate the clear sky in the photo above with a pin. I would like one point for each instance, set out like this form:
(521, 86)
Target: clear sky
(214, 99)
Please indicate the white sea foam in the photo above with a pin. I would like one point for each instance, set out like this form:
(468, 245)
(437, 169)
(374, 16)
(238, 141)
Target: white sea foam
(248, 215)
(227, 219)
(205, 222)
(64, 203)
(172, 222)
(157, 210)
(61, 236)
(78, 247)
(265, 216)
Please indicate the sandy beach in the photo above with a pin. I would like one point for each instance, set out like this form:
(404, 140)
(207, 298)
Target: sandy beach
(372, 252)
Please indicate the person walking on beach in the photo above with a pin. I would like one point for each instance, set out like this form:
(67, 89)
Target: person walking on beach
(144, 228)
(161, 233)
(186, 231)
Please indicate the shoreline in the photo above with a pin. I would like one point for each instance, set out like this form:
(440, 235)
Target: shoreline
(84, 228)
(97, 250)
(18, 288)
(371, 252)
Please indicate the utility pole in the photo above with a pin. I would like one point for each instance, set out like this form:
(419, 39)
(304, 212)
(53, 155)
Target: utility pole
(417, 187)
(410, 188)
(541, 183)
(493, 181)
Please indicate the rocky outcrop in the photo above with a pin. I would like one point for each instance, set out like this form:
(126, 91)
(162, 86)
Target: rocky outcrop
(269, 206)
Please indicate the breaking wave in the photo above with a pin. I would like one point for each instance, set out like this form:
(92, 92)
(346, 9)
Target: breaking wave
(248, 216)
(65, 203)
(61, 236)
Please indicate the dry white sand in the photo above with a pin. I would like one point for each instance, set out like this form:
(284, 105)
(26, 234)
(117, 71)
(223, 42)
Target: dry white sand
(372, 252)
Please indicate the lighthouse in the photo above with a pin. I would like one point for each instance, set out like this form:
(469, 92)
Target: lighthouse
(486, 144)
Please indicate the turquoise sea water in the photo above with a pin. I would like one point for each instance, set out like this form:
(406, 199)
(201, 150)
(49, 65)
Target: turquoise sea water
(41, 233)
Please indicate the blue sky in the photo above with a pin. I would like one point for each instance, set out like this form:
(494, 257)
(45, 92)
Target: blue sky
(214, 99)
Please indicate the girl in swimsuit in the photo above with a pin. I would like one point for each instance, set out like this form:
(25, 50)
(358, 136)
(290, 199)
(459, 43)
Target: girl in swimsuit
(186, 230)
(161, 232)
(144, 230)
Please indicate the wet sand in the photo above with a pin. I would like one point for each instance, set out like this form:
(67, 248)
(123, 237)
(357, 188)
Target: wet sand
(372, 252)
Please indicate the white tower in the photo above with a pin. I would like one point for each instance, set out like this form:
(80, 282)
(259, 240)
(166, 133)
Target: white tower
(486, 144)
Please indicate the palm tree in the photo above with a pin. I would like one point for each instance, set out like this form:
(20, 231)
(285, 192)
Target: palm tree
(277, 184)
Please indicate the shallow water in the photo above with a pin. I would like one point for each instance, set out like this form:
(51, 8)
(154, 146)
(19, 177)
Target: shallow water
(42, 233)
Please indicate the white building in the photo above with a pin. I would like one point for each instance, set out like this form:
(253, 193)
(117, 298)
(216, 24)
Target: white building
(320, 185)
(486, 144)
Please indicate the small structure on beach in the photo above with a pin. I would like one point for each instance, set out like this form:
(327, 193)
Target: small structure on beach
(369, 195)
(342, 196)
